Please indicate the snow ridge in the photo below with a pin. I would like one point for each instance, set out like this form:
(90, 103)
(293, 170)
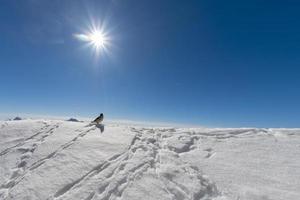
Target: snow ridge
(61, 160)
(109, 179)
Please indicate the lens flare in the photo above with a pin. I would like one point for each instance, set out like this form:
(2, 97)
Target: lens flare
(96, 38)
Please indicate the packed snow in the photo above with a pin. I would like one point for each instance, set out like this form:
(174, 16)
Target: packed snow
(61, 160)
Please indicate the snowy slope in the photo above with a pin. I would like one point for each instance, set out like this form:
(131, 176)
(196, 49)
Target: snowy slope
(55, 159)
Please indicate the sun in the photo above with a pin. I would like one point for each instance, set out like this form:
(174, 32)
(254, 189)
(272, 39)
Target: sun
(98, 39)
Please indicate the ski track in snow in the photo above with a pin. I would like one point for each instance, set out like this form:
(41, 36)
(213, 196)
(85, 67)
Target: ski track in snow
(21, 169)
(152, 152)
(109, 179)
(27, 148)
(26, 140)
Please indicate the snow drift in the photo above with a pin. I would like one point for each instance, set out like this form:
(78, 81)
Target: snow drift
(52, 159)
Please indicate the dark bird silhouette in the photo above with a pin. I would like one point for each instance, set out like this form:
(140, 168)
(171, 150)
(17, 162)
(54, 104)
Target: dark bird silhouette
(99, 119)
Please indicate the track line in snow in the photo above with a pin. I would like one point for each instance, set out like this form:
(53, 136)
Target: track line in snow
(26, 153)
(95, 170)
(105, 171)
(66, 145)
(19, 176)
(41, 131)
(146, 153)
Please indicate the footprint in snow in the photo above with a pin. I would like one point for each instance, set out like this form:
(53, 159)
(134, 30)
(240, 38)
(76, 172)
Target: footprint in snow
(210, 152)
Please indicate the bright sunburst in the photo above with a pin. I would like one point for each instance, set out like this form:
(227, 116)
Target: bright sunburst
(96, 38)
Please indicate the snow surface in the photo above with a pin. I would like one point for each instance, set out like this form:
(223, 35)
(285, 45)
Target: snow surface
(56, 159)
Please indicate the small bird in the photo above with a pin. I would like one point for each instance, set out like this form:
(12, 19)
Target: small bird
(99, 119)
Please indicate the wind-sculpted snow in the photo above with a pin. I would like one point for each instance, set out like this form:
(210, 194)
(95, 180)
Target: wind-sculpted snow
(59, 160)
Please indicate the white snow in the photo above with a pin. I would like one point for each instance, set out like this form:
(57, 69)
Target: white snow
(56, 159)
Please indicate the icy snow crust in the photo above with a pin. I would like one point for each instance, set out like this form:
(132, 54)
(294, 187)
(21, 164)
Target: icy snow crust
(49, 159)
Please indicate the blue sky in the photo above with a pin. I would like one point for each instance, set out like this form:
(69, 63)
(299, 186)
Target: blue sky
(214, 63)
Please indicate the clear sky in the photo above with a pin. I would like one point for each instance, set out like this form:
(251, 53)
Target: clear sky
(214, 63)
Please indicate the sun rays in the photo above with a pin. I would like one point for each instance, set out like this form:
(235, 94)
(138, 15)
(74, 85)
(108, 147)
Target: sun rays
(96, 38)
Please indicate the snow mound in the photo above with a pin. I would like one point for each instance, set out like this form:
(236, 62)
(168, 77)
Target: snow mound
(17, 118)
(72, 120)
(52, 159)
